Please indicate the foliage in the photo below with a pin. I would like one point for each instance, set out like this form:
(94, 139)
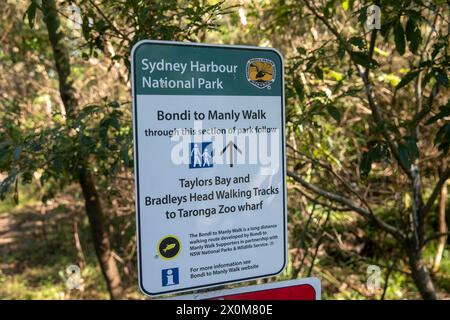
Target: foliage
(361, 111)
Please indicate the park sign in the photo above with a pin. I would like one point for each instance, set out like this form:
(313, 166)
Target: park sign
(209, 158)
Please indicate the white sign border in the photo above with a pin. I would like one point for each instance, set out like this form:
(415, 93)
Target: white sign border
(135, 155)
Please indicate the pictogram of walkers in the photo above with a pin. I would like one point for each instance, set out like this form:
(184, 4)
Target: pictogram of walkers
(201, 159)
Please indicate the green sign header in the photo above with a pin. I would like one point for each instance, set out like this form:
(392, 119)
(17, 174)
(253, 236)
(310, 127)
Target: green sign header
(183, 69)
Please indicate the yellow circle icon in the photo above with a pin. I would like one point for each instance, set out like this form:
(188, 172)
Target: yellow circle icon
(169, 247)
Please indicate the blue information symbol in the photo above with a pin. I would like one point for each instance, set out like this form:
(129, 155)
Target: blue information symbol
(201, 155)
(170, 277)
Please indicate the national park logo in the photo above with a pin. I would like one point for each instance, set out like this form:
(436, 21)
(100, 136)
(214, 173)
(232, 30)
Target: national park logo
(261, 72)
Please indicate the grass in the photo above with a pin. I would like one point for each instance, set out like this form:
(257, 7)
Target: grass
(47, 283)
(33, 265)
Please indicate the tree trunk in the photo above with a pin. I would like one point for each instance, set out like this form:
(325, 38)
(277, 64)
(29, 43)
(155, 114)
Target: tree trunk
(421, 275)
(442, 228)
(99, 234)
(92, 201)
(419, 272)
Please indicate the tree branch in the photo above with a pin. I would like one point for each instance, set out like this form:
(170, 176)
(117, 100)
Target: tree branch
(422, 112)
(442, 179)
(418, 117)
(320, 203)
(329, 168)
(367, 85)
(107, 19)
(436, 236)
(350, 204)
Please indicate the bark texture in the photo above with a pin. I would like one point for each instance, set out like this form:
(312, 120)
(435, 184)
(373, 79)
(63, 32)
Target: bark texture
(85, 178)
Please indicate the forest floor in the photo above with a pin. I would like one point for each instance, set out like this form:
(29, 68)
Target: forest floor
(35, 250)
(38, 242)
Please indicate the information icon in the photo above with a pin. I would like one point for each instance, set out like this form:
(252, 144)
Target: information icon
(169, 247)
(170, 277)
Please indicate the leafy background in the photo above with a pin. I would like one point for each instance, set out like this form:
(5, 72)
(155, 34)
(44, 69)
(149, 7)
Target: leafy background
(367, 121)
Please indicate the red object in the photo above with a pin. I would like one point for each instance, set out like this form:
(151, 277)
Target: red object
(299, 292)
(298, 289)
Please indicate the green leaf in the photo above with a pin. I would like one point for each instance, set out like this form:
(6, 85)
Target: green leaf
(310, 63)
(445, 112)
(86, 28)
(340, 51)
(362, 59)
(385, 29)
(399, 37)
(408, 78)
(31, 14)
(357, 41)
(425, 64)
(411, 145)
(444, 147)
(414, 14)
(377, 153)
(404, 156)
(125, 155)
(319, 72)
(440, 134)
(114, 104)
(7, 182)
(362, 17)
(442, 139)
(114, 122)
(380, 152)
(366, 164)
(441, 77)
(408, 151)
(16, 153)
(413, 35)
(299, 89)
(301, 51)
(437, 47)
(426, 79)
(334, 112)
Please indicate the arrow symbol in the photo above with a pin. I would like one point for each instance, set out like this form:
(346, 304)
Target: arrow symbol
(231, 146)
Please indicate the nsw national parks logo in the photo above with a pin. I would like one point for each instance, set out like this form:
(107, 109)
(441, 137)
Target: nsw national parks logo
(261, 72)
